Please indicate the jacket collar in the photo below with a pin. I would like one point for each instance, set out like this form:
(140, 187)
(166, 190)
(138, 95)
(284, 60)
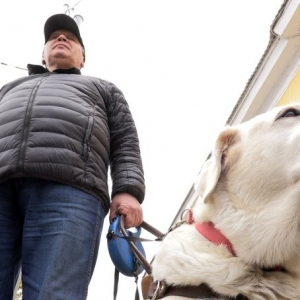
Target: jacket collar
(37, 69)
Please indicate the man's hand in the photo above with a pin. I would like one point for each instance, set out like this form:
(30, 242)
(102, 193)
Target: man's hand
(128, 206)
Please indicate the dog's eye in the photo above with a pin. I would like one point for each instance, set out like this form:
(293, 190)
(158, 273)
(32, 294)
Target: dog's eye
(291, 112)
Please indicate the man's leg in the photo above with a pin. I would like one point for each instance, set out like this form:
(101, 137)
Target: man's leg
(62, 229)
(10, 239)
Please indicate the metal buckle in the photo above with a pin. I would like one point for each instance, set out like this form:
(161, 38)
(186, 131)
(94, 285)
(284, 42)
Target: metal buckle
(160, 290)
(176, 225)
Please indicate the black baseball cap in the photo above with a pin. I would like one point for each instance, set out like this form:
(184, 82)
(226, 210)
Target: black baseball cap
(62, 21)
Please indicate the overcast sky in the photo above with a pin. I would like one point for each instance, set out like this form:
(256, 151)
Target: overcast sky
(181, 64)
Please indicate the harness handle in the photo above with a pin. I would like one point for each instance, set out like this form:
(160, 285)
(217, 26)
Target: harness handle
(140, 257)
(152, 230)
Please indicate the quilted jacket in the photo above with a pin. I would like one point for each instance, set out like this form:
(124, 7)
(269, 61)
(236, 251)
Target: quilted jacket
(67, 127)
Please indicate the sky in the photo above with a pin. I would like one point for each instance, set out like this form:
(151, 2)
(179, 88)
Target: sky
(182, 66)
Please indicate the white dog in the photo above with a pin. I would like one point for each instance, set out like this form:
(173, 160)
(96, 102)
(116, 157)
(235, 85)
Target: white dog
(245, 234)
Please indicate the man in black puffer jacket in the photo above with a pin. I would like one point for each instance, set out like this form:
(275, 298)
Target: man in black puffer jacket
(59, 133)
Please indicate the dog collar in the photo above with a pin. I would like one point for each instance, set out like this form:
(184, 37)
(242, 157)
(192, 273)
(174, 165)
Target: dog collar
(214, 235)
(211, 233)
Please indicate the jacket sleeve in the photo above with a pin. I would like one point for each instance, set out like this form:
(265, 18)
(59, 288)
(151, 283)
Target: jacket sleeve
(125, 159)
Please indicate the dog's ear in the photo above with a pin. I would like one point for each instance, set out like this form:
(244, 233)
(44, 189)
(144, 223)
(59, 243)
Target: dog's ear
(211, 169)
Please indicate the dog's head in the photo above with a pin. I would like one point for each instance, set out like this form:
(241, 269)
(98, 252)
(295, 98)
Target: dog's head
(250, 186)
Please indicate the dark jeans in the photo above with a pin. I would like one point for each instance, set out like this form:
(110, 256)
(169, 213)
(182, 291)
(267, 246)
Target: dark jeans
(53, 232)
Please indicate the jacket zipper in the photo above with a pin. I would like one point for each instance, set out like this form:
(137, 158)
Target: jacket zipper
(86, 140)
(26, 125)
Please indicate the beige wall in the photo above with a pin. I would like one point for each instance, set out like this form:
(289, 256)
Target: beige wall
(292, 93)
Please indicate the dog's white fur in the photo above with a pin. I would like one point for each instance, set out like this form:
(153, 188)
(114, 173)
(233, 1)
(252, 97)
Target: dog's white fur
(250, 189)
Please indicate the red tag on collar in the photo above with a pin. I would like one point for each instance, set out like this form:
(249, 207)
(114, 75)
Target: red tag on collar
(210, 232)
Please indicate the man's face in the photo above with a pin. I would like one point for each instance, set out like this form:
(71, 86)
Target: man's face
(63, 50)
